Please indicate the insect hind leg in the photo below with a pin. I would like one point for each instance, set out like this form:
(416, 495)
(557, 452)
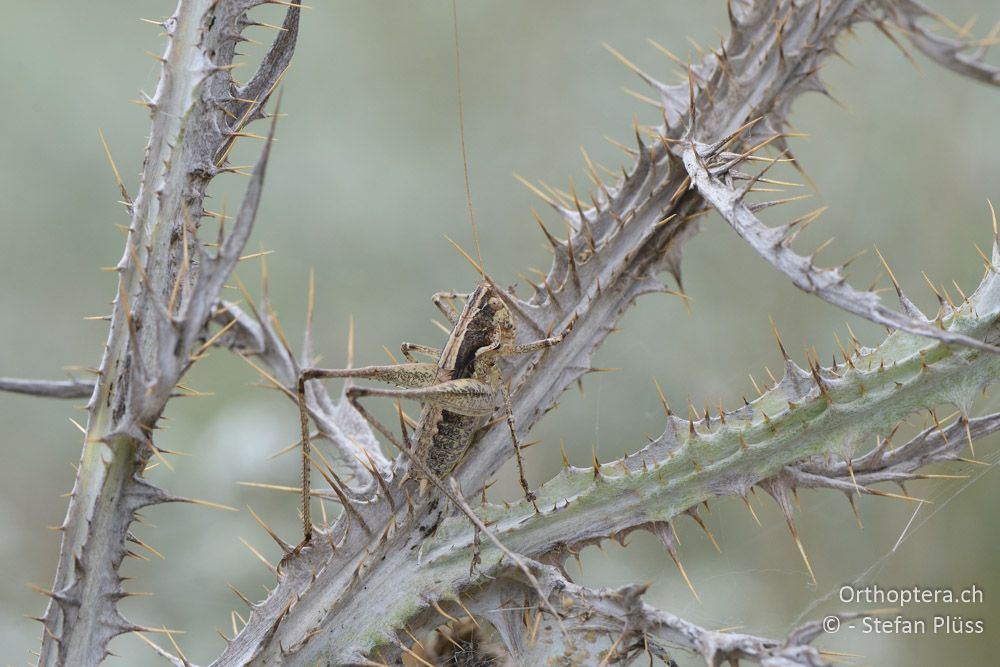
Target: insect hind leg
(412, 375)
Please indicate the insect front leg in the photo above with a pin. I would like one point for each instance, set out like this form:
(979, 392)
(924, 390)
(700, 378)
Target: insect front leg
(409, 348)
(442, 300)
(533, 346)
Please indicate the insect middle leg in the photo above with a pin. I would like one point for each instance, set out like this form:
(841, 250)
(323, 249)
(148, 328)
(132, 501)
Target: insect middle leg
(511, 350)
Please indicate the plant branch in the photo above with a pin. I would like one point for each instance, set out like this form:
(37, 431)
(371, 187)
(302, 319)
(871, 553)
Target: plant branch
(48, 388)
(966, 57)
(614, 626)
(773, 244)
(163, 304)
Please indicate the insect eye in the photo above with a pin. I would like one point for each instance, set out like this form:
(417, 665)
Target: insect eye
(496, 303)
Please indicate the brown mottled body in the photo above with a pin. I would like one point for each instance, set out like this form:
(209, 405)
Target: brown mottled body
(443, 434)
(458, 392)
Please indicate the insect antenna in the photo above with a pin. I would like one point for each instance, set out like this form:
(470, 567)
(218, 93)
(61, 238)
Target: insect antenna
(461, 136)
(480, 267)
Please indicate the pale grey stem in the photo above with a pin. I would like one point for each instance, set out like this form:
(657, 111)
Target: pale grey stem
(162, 306)
(773, 244)
(48, 388)
(615, 626)
(965, 57)
(325, 608)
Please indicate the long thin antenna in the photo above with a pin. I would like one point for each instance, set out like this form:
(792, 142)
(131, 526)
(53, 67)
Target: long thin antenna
(461, 130)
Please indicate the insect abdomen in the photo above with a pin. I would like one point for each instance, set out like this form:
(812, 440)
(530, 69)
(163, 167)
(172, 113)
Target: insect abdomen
(454, 432)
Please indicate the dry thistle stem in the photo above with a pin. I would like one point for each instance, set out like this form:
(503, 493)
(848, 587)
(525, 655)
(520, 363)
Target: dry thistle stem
(367, 585)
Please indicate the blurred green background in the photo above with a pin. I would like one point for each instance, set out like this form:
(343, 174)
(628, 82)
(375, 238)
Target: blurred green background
(364, 182)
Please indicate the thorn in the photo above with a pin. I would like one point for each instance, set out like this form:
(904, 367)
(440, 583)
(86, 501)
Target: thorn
(135, 540)
(78, 426)
(629, 64)
(260, 557)
(986, 260)
(850, 470)
(941, 302)
(562, 450)
(820, 248)
(776, 202)
(441, 611)
(285, 546)
(662, 49)
(275, 487)
(118, 177)
(798, 543)
(593, 175)
(892, 277)
(972, 461)
(285, 390)
(886, 494)
(694, 515)
(667, 535)
(416, 641)
(853, 258)
(993, 215)
(947, 295)
(854, 508)
(551, 239)
(413, 655)
(847, 357)
(240, 595)
(544, 197)
(175, 660)
(468, 613)
(210, 342)
(777, 337)
(204, 503)
(819, 382)
(378, 477)
(746, 501)
(968, 434)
